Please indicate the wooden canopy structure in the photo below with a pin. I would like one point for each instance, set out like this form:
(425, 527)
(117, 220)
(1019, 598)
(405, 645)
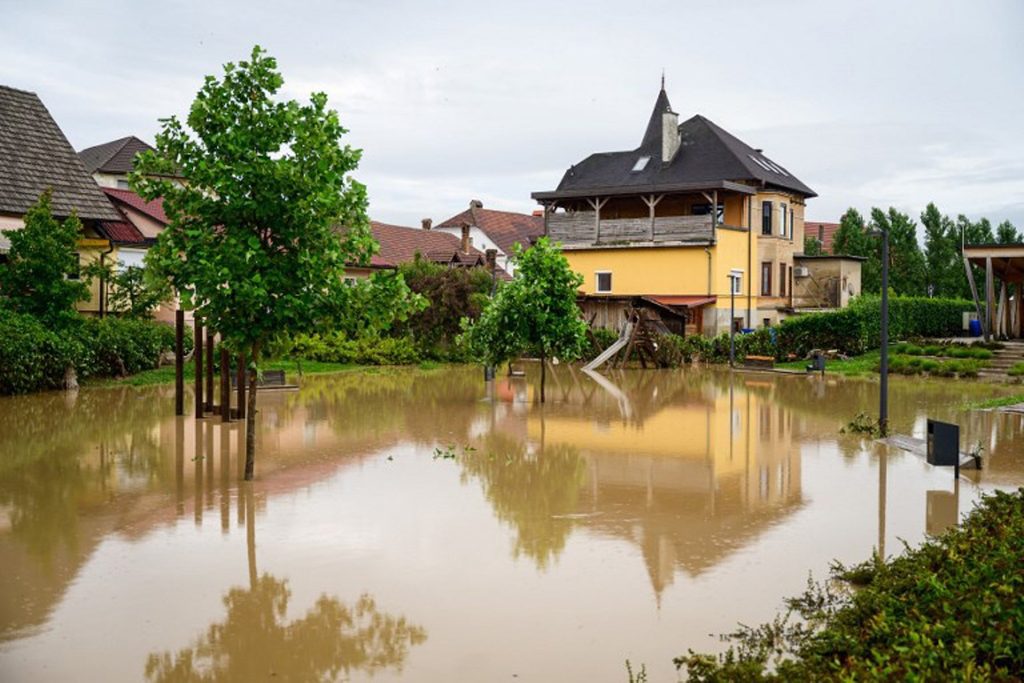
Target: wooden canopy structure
(1001, 314)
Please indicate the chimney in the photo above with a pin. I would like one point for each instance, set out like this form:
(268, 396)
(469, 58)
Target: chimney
(539, 213)
(465, 237)
(476, 204)
(669, 135)
(426, 222)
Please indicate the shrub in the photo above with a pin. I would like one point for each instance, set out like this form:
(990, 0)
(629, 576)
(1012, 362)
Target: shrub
(603, 337)
(32, 357)
(122, 346)
(913, 350)
(670, 351)
(1016, 370)
(947, 610)
(335, 347)
(932, 350)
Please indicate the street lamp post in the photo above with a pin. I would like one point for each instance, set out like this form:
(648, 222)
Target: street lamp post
(734, 276)
(883, 399)
(491, 256)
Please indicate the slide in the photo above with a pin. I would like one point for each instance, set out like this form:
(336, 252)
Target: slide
(613, 349)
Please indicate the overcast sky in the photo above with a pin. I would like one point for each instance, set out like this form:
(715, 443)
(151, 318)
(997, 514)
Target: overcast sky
(870, 103)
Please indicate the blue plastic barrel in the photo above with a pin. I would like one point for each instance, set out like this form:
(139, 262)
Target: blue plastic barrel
(747, 330)
(975, 328)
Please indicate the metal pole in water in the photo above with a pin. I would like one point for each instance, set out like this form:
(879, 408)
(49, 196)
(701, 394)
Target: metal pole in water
(883, 400)
(732, 321)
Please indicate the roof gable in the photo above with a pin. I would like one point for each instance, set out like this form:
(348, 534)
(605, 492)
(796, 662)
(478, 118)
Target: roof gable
(35, 155)
(707, 154)
(399, 244)
(116, 157)
(153, 209)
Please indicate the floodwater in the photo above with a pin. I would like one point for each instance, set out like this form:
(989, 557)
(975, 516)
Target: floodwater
(417, 525)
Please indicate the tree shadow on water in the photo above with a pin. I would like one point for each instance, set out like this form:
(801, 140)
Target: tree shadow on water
(254, 642)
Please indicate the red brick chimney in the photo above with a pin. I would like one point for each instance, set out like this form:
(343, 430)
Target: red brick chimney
(465, 237)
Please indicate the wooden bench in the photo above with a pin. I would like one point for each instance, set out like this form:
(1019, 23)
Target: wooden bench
(271, 379)
(759, 362)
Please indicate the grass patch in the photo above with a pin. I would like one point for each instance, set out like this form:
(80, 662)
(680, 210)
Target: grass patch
(165, 375)
(951, 609)
(998, 402)
(856, 365)
(1016, 370)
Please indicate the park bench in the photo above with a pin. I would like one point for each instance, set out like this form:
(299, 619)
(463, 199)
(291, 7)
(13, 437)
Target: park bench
(271, 379)
(767, 362)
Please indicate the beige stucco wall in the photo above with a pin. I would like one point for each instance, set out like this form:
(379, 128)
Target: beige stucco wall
(777, 250)
(830, 281)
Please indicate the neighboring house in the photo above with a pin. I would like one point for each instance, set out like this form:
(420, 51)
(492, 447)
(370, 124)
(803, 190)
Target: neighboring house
(111, 162)
(34, 156)
(490, 229)
(825, 281)
(677, 224)
(400, 244)
(823, 232)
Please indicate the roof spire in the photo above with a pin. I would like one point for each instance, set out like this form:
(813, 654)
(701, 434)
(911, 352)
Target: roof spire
(662, 78)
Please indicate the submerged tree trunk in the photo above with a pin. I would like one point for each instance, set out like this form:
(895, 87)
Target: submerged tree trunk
(543, 374)
(250, 532)
(250, 417)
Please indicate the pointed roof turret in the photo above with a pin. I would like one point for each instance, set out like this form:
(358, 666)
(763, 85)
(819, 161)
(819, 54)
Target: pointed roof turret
(654, 126)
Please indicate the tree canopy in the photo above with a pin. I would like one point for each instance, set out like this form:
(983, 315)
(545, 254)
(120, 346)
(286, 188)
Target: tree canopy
(41, 277)
(535, 313)
(252, 243)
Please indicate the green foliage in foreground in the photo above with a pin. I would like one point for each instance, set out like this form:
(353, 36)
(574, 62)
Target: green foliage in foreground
(952, 609)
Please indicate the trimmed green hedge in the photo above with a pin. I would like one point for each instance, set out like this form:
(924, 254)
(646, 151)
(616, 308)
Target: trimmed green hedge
(856, 329)
(34, 357)
(337, 348)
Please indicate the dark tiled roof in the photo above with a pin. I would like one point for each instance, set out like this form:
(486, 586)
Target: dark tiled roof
(505, 228)
(707, 154)
(116, 156)
(153, 209)
(823, 232)
(122, 232)
(399, 244)
(35, 155)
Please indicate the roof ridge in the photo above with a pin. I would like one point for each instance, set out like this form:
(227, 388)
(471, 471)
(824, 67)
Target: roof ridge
(21, 90)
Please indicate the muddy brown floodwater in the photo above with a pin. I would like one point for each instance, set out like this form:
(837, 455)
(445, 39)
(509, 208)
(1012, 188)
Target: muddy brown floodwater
(415, 525)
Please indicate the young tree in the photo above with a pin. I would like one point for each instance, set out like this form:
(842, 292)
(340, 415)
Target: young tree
(251, 243)
(536, 313)
(42, 276)
(131, 291)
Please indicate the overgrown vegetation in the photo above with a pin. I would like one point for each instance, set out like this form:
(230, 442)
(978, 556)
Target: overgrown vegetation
(952, 609)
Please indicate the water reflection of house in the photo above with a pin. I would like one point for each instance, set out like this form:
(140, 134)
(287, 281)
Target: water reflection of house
(690, 482)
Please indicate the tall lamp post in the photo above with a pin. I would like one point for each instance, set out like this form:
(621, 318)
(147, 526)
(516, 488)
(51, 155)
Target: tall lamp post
(734, 277)
(883, 398)
(491, 256)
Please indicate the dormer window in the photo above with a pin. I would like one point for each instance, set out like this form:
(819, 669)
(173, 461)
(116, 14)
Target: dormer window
(640, 164)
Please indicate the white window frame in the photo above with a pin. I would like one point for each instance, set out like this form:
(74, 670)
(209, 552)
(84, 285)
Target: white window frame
(736, 281)
(597, 282)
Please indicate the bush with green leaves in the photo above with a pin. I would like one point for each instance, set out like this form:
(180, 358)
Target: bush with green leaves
(951, 609)
(335, 347)
(32, 356)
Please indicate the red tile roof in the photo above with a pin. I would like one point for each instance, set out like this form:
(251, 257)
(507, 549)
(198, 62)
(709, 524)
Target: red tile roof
(823, 232)
(122, 232)
(505, 228)
(399, 244)
(153, 209)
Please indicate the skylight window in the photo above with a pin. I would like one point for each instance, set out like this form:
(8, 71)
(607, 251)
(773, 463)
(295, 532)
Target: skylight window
(640, 164)
(768, 165)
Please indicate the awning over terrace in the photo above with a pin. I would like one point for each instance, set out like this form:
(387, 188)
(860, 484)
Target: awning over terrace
(1001, 313)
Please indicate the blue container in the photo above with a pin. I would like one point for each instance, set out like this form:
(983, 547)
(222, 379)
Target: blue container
(974, 326)
(747, 330)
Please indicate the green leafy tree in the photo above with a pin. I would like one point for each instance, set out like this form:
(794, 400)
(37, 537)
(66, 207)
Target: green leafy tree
(907, 269)
(853, 239)
(1006, 233)
(251, 243)
(942, 253)
(132, 291)
(42, 274)
(975, 233)
(812, 246)
(535, 314)
(451, 295)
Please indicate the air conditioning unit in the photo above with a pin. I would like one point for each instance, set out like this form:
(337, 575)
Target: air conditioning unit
(801, 271)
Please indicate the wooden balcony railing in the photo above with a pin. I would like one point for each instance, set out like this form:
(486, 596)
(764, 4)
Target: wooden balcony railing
(583, 229)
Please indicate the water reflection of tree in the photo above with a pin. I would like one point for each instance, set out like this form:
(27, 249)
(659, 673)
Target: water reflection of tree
(255, 642)
(535, 493)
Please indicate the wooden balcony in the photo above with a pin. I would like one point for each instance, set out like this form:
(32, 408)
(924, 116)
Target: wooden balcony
(582, 229)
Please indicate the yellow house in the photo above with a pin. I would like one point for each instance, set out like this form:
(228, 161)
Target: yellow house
(692, 223)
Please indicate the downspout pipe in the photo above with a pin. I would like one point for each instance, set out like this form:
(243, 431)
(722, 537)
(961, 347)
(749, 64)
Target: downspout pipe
(708, 252)
(103, 278)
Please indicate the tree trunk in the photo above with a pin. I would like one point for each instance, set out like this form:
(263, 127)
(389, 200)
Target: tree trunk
(250, 417)
(543, 374)
(250, 531)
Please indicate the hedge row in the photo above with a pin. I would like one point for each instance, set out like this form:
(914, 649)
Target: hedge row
(337, 348)
(34, 357)
(856, 329)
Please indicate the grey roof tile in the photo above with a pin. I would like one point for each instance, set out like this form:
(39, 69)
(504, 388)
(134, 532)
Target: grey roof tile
(116, 156)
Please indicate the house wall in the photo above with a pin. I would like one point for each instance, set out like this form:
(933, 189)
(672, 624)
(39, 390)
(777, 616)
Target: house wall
(110, 180)
(830, 284)
(638, 271)
(479, 239)
(776, 250)
(149, 227)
